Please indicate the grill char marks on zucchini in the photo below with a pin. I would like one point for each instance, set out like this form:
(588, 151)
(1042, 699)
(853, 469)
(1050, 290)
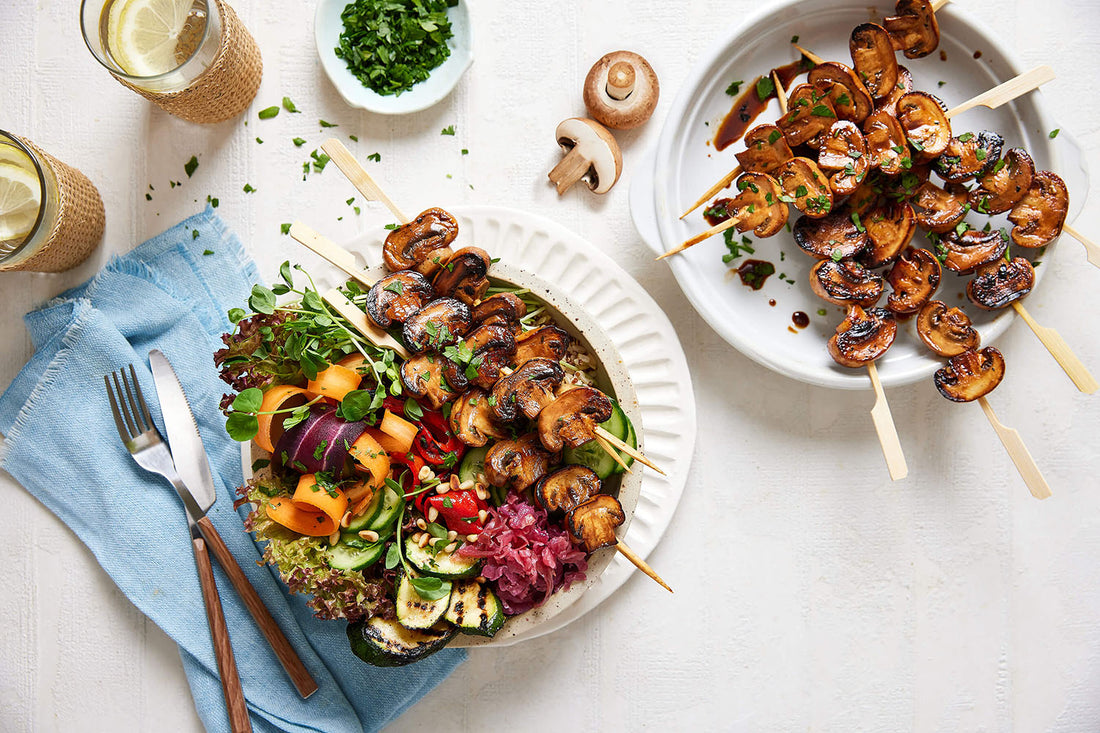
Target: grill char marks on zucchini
(475, 609)
(386, 643)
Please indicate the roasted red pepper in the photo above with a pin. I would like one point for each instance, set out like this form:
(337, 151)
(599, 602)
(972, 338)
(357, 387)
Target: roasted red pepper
(458, 510)
(436, 444)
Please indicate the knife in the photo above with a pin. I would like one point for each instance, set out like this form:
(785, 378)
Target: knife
(193, 468)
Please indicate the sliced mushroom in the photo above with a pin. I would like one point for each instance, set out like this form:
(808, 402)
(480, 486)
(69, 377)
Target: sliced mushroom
(464, 276)
(969, 155)
(765, 150)
(409, 245)
(435, 260)
(544, 342)
(914, 28)
(846, 283)
(810, 112)
(758, 206)
(844, 150)
(915, 277)
(939, 210)
(904, 85)
(571, 419)
(863, 336)
(924, 119)
(591, 155)
(890, 228)
(472, 419)
(566, 489)
(621, 90)
(526, 390)
(968, 250)
(423, 378)
(805, 187)
(397, 296)
(947, 331)
(1040, 214)
(490, 349)
(970, 375)
(836, 236)
(440, 323)
(518, 463)
(593, 523)
(502, 309)
(866, 197)
(1002, 187)
(873, 59)
(887, 146)
(850, 98)
(1001, 284)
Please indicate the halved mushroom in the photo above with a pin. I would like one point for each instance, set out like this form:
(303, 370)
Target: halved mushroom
(518, 463)
(463, 276)
(758, 205)
(914, 28)
(526, 390)
(440, 323)
(914, 277)
(850, 98)
(566, 489)
(904, 85)
(890, 228)
(1001, 284)
(805, 187)
(969, 155)
(409, 245)
(863, 336)
(502, 309)
(834, 237)
(591, 155)
(765, 150)
(924, 119)
(544, 342)
(593, 523)
(845, 283)
(873, 58)
(1040, 214)
(887, 146)
(970, 375)
(810, 112)
(472, 419)
(968, 250)
(434, 262)
(866, 197)
(397, 296)
(947, 331)
(844, 150)
(939, 210)
(571, 419)
(423, 378)
(1002, 187)
(482, 355)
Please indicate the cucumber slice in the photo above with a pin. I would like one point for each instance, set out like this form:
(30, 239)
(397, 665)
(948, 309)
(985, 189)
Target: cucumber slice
(363, 520)
(475, 609)
(387, 515)
(473, 463)
(415, 612)
(441, 565)
(386, 643)
(346, 557)
(590, 454)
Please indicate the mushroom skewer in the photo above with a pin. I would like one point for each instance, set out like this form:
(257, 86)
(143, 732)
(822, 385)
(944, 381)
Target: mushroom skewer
(359, 177)
(1091, 247)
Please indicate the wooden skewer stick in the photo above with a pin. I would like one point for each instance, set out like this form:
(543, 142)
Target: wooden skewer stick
(1002, 93)
(780, 92)
(809, 54)
(359, 177)
(887, 432)
(1091, 247)
(717, 229)
(641, 564)
(613, 453)
(725, 181)
(1019, 453)
(938, 4)
(328, 250)
(632, 452)
(1061, 352)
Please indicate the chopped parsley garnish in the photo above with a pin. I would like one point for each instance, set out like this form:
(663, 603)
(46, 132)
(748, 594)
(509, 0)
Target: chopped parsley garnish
(1054, 133)
(734, 88)
(448, 130)
(248, 188)
(284, 228)
(289, 106)
(821, 110)
(298, 142)
(773, 136)
(765, 87)
(856, 221)
(324, 123)
(190, 166)
(268, 113)
(966, 137)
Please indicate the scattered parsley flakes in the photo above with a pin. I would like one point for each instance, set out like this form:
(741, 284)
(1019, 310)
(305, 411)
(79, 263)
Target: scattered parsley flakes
(324, 123)
(465, 151)
(207, 252)
(148, 197)
(391, 227)
(375, 157)
(794, 39)
(822, 312)
(284, 228)
(298, 142)
(191, 166)
(212, 201)
(448, 130)
(194, 234)
(248, 188)
(259, 141)
(289, 106)
(267, 114)
(734, 88)
(1054, 133)
(353, 138)
(765, 87)
(320, 160)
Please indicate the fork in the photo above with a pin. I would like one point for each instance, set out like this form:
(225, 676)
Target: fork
(148, 449)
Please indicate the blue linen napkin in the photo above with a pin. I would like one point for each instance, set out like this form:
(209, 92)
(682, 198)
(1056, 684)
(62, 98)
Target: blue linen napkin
(62, 446)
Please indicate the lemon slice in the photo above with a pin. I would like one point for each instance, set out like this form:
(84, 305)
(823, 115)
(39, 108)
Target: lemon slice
(20, 195)
(143, 34)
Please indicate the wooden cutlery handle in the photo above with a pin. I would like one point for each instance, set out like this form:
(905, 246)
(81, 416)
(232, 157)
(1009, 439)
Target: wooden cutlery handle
(223, 649)
(282, 647)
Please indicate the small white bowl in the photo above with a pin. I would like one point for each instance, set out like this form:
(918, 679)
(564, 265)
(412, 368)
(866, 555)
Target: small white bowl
(327, 27)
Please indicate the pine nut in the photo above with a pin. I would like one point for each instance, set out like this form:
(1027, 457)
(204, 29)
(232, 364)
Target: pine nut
(481, 479)
(423, 541)
(482, 515)
(442, 488)
(421, 524)
(334, 538)
(466, 485)
(455, 483)
(345, 520)
(368, 535)
(450, 548)
(481, 493)
(433, 514)
(471, 538)
(425, 473)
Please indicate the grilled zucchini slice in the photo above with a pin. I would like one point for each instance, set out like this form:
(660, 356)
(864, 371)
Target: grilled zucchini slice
(386, 643)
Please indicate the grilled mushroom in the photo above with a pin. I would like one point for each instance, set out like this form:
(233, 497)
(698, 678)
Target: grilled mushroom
(409, 245)
(566, 489)
(765, 150)
(904, 85)
(571, 419)
(890, 228)
(914, 277)
(472, 418)
(463, 277)
(968, 250)
(758, 206)
(862, 336)
(836, 236)
(490, 349)
(423, 378)
(970, 375)
(938, 209)
(434, 262)
(1040, 214)
(440, 323)
(518, 463)
(397, 296)
(810, 112)
(502, 309)
(969, 155)
(887, 146)
(593, 523)
(1002, 187)
(850, 98)
(805, 187)
(913, 29)
(1001, 284)
(845, 283)
(924, 119)
(544, 342)
(526, 390)
(947, 331)
(873, 58)
(844, 150)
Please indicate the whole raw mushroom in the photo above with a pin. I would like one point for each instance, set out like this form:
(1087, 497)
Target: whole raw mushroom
(591, 155)
(621, 90)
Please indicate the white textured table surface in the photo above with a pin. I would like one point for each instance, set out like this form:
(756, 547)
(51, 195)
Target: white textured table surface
(812, 593)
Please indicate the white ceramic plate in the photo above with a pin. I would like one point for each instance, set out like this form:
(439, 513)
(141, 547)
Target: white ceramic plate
(684, 165)
(327, 27)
